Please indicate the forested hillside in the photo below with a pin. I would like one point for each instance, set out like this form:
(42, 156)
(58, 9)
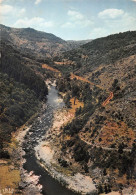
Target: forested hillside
(108, 63)
(17, 104)
(102, 51)
(13, 64)
(37, 43)
(21, 90)
(102, 135)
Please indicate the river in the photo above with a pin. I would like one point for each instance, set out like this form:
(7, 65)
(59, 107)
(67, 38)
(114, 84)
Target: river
(34, 136)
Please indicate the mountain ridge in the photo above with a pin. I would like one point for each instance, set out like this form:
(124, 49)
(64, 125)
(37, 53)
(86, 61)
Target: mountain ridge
(40, 43)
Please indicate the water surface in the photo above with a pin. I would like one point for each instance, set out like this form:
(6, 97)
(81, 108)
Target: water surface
(34, 137)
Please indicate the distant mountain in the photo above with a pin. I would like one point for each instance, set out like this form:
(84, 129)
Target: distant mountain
(37, 42)
(75, 44)
(100, 52)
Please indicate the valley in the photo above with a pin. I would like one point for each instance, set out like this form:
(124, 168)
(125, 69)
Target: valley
(67, 113)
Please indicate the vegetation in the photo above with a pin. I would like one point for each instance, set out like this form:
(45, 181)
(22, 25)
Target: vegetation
(100, 51)
(21, 90)
(101, 136)
(13, 65)
(11, 180)
(17, 104)
(38, 44)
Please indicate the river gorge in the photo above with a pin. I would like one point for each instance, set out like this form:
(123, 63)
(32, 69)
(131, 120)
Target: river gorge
(33, 137)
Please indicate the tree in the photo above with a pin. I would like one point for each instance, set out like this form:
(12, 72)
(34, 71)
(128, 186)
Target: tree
(67, 100)
(115, 82)
(75, 92)
(120, 149)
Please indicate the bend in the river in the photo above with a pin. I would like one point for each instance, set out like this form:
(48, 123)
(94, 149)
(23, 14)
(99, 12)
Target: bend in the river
(34, 136)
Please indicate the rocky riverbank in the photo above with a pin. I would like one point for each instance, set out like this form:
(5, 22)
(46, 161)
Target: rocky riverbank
(34, 179)
(40, 152)
(29, 183)
(49, 151)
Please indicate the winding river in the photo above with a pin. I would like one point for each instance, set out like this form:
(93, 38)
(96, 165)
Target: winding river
(34, 136)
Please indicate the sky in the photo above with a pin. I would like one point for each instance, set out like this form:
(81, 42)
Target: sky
(71, 19)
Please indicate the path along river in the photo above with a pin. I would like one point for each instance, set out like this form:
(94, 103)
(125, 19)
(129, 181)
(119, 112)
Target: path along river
(34, 136)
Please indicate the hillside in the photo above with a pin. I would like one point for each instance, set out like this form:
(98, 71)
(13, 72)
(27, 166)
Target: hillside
(75, 44)
(13, 63)
(110, 64)
(39, 44)
(102, 51)
(21, 91)
(102, 135)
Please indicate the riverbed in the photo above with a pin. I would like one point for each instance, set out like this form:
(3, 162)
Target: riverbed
(33, 137)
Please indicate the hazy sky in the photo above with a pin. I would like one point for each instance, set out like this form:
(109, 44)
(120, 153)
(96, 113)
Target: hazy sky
(71, 19)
